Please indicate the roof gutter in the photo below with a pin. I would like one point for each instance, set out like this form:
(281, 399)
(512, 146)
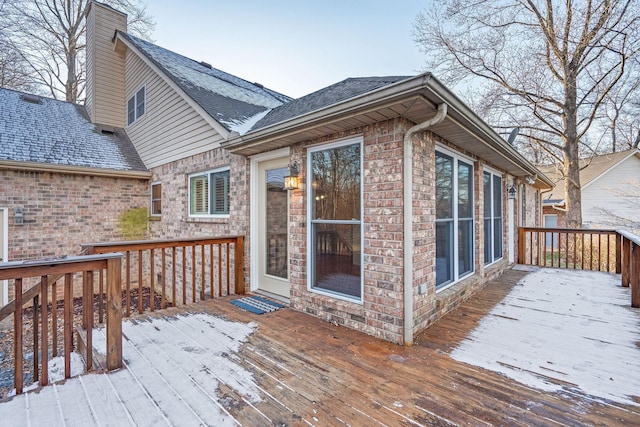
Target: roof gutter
(408, 218)
(75, 170)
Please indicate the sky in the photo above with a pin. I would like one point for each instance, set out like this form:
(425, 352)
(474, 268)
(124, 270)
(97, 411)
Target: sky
(293, 47)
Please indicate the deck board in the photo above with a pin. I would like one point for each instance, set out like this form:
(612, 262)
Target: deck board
(211, 363)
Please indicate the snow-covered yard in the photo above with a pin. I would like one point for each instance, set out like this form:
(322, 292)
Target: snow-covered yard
(563, 330)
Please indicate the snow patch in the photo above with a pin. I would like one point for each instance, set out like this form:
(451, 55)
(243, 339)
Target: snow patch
(561, 329)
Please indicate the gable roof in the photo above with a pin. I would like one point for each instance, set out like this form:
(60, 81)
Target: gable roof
(591, 169)
(330, 95)
(37, 130)
(233, 102)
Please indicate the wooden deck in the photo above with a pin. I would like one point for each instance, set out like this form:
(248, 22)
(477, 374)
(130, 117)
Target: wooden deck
(292, 369)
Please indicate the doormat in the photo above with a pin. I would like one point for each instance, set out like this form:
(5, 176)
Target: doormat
(257, 304)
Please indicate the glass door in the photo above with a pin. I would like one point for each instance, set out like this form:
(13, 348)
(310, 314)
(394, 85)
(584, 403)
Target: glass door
(273, 227)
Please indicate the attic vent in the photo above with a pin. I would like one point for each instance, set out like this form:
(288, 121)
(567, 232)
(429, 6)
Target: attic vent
(258, 85)
(205, 64)
(32, 99)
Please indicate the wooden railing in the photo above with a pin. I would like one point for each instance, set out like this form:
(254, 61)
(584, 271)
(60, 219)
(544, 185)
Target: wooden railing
(595, 250)
(49, 272)
(585, 249)
(176, 272)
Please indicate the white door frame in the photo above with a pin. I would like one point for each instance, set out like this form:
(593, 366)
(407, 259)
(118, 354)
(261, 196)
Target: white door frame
(4, 284)
(254, 252)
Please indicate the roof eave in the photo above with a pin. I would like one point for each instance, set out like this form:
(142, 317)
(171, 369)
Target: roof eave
(75, 170)
(425, 86)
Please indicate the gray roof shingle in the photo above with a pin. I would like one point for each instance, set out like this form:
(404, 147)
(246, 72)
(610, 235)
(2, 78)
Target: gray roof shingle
(325, 97)
(235, 103)
(60, 133)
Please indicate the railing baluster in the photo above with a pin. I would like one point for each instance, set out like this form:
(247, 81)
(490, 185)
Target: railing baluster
(140, 282)
(220, 269)
(36, 358)
(152, 281)
(68, 324)
(184, 275)
(100, 298)
(17, 336)
(202, 273)
(173, 280)
(44, 311)
(54, 320)
(228, 275)
(193, 273)
(212, 290)
(87, 312)
(626, 262)
(128, 282)
(164, 279)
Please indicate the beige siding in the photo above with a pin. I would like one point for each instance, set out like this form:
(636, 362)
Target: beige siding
(615, 193)
(171, 129)
(105, 66)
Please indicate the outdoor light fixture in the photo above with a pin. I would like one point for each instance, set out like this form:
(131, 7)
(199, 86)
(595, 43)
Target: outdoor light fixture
(291, 181)
(511, 191)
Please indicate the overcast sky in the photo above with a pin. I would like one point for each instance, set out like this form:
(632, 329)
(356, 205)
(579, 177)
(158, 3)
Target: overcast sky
(293, 46)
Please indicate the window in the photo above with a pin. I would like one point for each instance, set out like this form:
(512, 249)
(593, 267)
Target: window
(454, 219)
(156, 199)
(209, 193)
(492, 184)
(335, 225)
(136, 105)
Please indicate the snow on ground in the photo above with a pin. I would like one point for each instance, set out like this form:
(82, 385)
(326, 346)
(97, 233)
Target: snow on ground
(577, 327)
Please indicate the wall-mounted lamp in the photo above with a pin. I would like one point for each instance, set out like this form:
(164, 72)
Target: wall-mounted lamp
(18, 215)
(291, 181)
(531, 179)
(511, 191)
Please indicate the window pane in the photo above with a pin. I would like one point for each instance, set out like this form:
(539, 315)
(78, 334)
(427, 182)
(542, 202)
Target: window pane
(131, 110)
(336, 183)
(465, 247)
(156, 199)
(199, 196)
(465, 191)
(497, 238)
(220, 192)
(444, 252)
(337, 258)
(486, 177)
(487, 241)
(140, 103)
(276, 223)
(444, 186)
(497, 196)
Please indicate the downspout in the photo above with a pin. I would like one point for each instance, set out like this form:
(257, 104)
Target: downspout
(407, 186)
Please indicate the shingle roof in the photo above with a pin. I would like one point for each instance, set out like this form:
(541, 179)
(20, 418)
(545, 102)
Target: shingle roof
(235, 103)
(590, 169)
(330, 95)
(59, 133)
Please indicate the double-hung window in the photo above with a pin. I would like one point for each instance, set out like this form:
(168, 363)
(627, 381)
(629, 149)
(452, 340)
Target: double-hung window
(492, 185)
(335, 220)
(136, 105)
(156, 199)
(209, 193)
(454, 218)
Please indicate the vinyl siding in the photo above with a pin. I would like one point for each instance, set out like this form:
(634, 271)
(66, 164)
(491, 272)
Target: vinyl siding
(105, 67)
(609, 192)
(170, 129)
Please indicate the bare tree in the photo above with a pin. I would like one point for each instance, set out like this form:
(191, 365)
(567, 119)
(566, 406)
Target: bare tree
(547, 67)
(49, 35)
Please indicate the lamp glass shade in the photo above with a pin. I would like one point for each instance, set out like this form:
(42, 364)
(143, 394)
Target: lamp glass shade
(291, 182)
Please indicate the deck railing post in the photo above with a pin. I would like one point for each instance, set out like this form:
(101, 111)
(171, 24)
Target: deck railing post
(238, 259)
(626, 261)
(618, 253)
(635, 275)
(114, 314)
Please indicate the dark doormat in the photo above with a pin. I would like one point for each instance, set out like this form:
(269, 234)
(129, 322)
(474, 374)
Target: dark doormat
(257, 305)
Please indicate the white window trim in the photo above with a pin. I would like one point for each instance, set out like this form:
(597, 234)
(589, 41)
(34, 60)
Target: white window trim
(502, 204)
(468, 160)
(208, 174)
(151, 213)
(310, 264)
(134, 95)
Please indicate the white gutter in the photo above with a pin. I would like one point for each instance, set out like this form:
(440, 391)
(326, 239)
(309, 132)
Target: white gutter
(408, 218)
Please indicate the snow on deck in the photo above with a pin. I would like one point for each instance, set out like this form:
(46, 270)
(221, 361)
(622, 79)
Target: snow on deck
(561, 330)
(174, 370)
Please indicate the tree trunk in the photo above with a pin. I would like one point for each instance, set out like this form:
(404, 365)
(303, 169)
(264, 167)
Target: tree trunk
(71, 85)
(573, 194)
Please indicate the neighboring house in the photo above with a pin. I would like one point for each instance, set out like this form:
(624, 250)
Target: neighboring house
(610, 192)
(389, 226)
(63, 180)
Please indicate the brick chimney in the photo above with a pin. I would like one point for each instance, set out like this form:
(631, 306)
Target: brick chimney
(105, 101)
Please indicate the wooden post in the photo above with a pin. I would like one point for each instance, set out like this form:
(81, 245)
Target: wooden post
(68, 324)
(114, 314)
(618, 253)
(635, 276)
(44, 347)
(36, 359)
(238, 259)
(87, 315)
(626, 261)
(17, 337)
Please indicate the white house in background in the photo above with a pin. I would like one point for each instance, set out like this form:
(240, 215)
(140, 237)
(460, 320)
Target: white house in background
(610, 192)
